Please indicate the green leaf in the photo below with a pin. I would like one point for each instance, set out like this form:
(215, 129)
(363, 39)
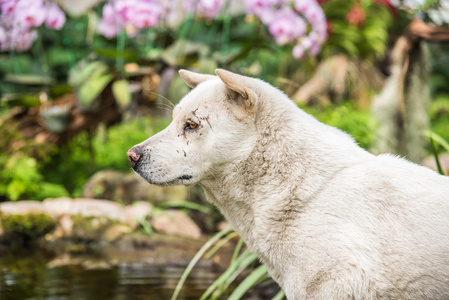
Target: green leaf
(29, 79)
(437, 138)
(122, 95)
(86, 71)
(90, 90)
(15, 189)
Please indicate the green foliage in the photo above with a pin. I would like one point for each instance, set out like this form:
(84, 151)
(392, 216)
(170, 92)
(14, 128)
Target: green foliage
(439, 116)
(22, 178)
(28, 226)
(368, 40)
(87, 154)
(358, 123)
(436, 141)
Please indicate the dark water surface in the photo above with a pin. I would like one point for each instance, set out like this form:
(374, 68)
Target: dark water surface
(36, 277)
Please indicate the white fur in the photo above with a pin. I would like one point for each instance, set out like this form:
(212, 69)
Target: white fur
(330, 220)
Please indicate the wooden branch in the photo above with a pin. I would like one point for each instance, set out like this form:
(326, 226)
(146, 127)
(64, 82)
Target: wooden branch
(420, 30)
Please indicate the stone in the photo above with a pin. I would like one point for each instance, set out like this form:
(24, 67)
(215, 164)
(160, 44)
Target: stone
(137, 211)
(115, 232)
(58, 207)
(97, 208)
(23, 207)
(173, 222)
(29, 226)
(128, 187)
(27, 219)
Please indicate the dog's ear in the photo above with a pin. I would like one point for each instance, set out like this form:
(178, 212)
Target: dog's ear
(192, 79)
(238, 84)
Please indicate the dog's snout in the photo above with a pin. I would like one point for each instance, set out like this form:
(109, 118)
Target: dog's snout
(134, 155)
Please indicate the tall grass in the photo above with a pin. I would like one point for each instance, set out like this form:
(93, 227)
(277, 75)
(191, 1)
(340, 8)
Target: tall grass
(241, 263)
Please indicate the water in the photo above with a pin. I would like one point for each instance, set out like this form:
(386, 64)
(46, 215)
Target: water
(36, 277)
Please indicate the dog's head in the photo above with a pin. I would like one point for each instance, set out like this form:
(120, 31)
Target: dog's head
(213, 126)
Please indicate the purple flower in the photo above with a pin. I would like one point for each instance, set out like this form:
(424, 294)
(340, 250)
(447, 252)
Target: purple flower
(19, 18)
(147, 14)
(7, 7)
(286, 26)
(55, 17)
(21, 39)
(130, 15)
(207, 8)
(30, 13)
(108, 25)
(298, 51)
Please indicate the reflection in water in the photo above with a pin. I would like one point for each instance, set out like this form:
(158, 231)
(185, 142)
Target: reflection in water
(33, 277)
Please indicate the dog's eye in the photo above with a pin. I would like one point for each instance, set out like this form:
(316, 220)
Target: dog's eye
(190, 125)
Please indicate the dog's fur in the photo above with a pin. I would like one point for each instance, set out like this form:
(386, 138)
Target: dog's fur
(329, 219)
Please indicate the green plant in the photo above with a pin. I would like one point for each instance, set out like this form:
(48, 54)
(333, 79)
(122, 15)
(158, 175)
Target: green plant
(22, 178)
(240, 263)
(435, 141)
(357, 28)
(86, 154)
(358, 123)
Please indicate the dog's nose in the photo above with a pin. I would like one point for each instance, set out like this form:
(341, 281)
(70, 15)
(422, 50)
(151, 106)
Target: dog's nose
(134, 154)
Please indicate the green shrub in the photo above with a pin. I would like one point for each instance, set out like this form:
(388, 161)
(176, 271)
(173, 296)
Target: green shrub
(85, 155)
(358, 123)
(22, 178)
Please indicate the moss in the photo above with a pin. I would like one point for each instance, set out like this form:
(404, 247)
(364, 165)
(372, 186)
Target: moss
(90, 228)
(29, 226)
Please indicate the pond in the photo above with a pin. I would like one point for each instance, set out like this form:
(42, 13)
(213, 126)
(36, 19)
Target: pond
(34, 275)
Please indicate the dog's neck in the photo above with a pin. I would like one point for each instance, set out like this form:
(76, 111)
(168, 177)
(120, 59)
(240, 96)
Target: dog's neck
(270, 187)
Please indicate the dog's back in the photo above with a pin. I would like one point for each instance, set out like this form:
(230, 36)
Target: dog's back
(386, 236)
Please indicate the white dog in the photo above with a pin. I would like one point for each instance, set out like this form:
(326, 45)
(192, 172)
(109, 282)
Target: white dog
(329, 219)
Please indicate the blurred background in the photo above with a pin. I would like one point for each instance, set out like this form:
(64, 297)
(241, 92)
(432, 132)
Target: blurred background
(83, 81)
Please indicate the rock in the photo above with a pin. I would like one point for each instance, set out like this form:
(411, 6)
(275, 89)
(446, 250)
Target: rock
(89, 228)
(431, 163)
(58, 207)
(26, 219)
(97, 208)
(64, 228)
(173, 222)
(27, 226)
(138, 211)
(115, 232)
(85, 208)
(23, 207)
(128, 187)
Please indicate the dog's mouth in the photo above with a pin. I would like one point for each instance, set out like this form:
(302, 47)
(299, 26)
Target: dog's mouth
(181, 180)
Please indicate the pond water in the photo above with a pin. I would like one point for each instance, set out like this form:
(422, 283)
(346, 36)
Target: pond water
(36, 277)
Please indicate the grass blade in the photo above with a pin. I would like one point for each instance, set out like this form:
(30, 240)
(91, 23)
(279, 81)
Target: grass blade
(185, 204)
(435, 154)
(244, 259)
(279, 296)
(220, 244)
(248, 282)
(195, 259)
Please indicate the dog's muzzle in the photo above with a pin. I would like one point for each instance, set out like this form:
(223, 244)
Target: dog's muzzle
(134, 155)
